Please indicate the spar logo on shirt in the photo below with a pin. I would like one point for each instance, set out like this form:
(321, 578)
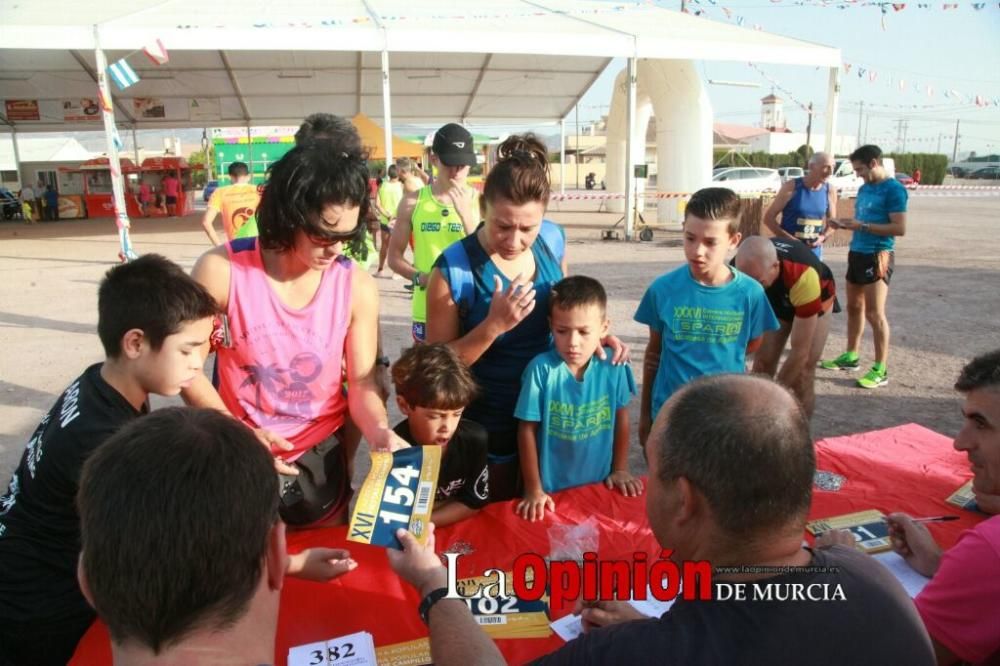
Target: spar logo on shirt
(709, 325)
(574, 423)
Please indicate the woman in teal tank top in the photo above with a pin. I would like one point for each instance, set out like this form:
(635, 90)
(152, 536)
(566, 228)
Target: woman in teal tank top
(506, 324)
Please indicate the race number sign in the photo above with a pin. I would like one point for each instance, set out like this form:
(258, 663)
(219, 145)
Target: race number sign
(869, 528)
(499, 612)
(353, 650)
(398, 492)
(964, 497)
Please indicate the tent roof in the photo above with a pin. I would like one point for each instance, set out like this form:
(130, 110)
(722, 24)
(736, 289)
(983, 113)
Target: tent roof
(373, 139)
(239, 62)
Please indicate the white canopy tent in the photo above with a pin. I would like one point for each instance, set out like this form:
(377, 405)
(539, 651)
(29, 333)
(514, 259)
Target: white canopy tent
(258, 62)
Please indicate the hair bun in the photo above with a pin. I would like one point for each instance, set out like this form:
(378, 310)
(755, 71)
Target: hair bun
(526, 149)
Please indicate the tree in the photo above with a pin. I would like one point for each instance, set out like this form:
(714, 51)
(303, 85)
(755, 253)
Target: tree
(804, 152)
(201, 158)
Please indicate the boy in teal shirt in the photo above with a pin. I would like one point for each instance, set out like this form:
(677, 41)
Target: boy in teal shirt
(705, 316)
(573, 406)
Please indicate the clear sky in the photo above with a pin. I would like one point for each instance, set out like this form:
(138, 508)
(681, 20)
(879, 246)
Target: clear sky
(957, 49)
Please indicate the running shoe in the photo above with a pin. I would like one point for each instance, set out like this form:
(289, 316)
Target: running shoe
(874, 378)
(846, 361)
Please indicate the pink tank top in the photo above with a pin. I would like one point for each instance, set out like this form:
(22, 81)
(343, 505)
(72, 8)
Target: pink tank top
(283, 370)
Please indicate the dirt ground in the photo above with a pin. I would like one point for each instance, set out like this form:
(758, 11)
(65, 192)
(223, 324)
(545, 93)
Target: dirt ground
(944, 308)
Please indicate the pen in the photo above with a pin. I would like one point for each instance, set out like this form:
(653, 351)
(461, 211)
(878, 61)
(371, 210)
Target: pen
(934, 519)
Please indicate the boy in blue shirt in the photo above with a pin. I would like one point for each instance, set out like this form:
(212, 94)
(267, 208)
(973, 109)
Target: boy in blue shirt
(433, 387)
(573, 406)
(705, 316)
(879, 216)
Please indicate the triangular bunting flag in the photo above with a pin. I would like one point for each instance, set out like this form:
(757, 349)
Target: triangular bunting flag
(156, 52)
(123, 75)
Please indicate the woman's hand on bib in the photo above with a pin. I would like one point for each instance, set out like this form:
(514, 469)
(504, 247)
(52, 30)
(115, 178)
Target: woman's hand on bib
(386, 440)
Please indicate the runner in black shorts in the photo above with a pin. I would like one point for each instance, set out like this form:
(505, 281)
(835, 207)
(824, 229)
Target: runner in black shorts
(865, 269)
(801, 291)
(880, 216)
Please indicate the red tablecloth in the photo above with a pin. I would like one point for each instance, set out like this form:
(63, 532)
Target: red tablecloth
(908, 468)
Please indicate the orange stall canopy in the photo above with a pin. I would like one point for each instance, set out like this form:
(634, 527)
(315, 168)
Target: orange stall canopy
(98, 198)
(154, 170)
(373, 140)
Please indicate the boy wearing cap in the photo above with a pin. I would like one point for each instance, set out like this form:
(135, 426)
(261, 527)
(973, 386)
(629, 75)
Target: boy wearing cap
(436, 216)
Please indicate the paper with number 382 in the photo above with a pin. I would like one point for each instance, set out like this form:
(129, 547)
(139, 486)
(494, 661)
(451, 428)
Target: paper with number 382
(398, 492)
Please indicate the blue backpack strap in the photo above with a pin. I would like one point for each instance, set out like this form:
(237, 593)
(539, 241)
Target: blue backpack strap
(555, 239)
(459, 274)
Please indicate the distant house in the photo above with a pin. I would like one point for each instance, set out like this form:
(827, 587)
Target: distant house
(40, 160)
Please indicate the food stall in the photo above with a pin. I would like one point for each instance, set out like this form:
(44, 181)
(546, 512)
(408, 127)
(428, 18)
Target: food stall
(96, 181)
(155, 169)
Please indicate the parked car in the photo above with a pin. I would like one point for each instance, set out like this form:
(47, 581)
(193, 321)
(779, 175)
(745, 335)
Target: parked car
(790, 173)
(987, 173)
(747, 179)
(845, 179)
(9, 204)
(210, 187)
(905, 178)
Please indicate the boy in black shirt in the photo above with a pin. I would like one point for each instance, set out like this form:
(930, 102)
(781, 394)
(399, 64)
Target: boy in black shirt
(153, 321)
(433, 387)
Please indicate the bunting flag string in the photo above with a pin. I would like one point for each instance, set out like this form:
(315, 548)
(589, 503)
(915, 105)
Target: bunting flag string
(869, 74)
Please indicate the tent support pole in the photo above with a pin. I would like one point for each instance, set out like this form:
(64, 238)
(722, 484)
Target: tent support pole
(114, 162)
(562, 156)
(386, 109)
(250, 152)
(17, 156)
(832, 101)
(135, 147)
(630, 193)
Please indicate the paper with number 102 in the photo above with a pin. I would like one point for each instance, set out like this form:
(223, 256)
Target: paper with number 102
(398, 492)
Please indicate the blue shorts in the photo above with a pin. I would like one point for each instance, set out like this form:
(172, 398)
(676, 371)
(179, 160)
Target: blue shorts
(419, 332)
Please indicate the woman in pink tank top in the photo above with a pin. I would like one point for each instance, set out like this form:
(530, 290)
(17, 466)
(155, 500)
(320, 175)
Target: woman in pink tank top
(301, 317)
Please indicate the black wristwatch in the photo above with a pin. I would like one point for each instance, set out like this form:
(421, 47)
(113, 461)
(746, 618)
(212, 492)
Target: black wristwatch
(383, 360)
(428, 602)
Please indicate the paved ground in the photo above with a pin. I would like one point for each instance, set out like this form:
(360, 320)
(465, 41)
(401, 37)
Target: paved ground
(944, 308)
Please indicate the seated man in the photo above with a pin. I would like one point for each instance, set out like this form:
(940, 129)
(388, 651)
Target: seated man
(188, 495)
(960, 605)
(735, 489)
(802, 293)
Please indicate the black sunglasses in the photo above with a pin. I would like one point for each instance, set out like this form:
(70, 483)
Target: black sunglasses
(328, 238)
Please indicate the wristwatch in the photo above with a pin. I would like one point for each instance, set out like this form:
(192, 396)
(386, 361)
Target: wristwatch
(865, 227)
(416, 279)
(383, 360)
(428, 602)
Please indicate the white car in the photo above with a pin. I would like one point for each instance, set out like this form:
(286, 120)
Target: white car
(844, 178)
(747, 179)
(790, 173)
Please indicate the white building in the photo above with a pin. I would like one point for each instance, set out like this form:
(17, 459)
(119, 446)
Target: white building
(40, 157)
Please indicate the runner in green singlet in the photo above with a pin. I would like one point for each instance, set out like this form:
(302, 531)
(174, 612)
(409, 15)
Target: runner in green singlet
(437, 215)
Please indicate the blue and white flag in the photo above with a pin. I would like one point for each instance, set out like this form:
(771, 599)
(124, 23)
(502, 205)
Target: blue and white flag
(123, 75)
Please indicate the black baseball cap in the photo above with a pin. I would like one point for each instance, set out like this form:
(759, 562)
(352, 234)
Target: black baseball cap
(453, 146)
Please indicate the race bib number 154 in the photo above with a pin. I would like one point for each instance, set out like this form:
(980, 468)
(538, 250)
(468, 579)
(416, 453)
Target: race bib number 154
(398, 492)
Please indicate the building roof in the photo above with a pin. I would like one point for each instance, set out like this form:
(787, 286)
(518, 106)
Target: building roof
(726, 133)
(42, 149)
